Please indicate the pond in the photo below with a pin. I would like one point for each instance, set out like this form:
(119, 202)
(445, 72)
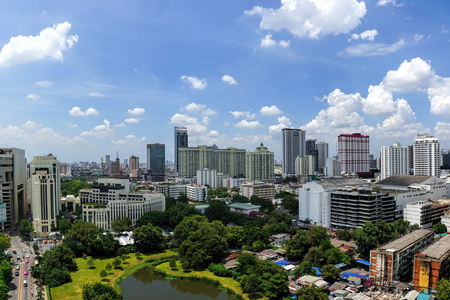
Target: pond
(144, 284)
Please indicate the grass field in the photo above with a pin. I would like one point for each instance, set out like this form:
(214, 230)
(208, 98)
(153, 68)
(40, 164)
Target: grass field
(72, 290)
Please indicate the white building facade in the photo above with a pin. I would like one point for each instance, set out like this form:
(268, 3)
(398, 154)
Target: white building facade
(196, 192)
(315, 203)
(427, 156)
(207, 177)
(394, 160)
(304, 165)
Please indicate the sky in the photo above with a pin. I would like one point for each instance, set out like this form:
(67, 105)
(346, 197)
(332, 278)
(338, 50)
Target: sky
(85, 79)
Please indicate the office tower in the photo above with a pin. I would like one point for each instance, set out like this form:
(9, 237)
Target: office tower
(426, 156)
(181, 141)
(125, 162)
(134, 162)
(333, 167)
(13, 173)
(45, 188)
(411, 157)
(394, 160)
(372, 162)
(353, 152)
(305, 165)
(293, 146)
(107, 159)
(311, 149)
(156, 162)
(115, 166)
(322, 155)
(259, 164)
(445, 159)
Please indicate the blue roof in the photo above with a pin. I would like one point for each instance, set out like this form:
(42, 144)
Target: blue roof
(345, 275)
(423, 296)
(341, 265)
(282, 262)
(318, 271)
(364, 262)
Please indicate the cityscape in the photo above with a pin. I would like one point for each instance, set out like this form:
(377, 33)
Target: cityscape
(293, 149)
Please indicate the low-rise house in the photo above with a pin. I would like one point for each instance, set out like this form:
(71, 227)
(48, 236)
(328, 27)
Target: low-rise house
(280, 238)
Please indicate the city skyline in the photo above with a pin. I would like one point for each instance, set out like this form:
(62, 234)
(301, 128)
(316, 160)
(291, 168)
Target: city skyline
(83, 83)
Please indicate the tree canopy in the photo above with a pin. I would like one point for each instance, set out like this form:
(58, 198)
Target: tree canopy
(73, 186)
(25, 228)
(99, 291)
(148, 238)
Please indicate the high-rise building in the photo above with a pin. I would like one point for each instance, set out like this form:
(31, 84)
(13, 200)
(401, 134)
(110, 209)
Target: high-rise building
(411, 157)
(322, 155)
(135, 171)
(394, 160)
(304, 165)
(260, 164)
(293, 146)
(115, 167)
(311, 149)
(13, 175)
(353, 152)
(426, 156)
(156, 162)
(45, 192)
(180, 141)
(445, 159)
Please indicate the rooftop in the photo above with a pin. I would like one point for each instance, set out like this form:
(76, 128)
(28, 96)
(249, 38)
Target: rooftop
(244, 205)
(403, 180)
(438, 248)
(406, 240)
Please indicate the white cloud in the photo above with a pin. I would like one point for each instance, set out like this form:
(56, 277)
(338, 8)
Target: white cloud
(32, 96)
(96, 94)
(198, 84)
(439, 96)
(229, 79)
(244, 124)
(194, 106)
(131, 120)
(120, 125)
(136, 111)
(267, 41)
(270, 110)
(283, 122)
(312, 18)
(391, 2)
(77, 112)
(242, 114)
(72, 125)
(129, 139)
(379, 102)
(183, 120)
(50, 43)
(29, 125)
(366, 35)
(209, 112)
(102, 130)
(372, 49)
(44, 83)
(418, 37)
(442, 130)
(284, 44)
(409, 76)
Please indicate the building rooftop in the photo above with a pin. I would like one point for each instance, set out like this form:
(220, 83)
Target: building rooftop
(244, 205)
(403, 180)
(406, 240)
(438, 248)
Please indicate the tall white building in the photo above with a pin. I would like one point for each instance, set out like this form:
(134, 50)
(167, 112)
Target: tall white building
(394, 160)
(45, 192)
(426, 156)
(333, 167)
(207, 177)
(293, 146)
(304, 165)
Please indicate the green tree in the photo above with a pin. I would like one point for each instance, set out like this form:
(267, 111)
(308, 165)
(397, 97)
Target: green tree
(344, 235)
(250, 284)
(56, 277)
(99, 291)
(386, 232)
(108, 267)
(402, 226)
(304, 268)
(266, 204)
(5, 242)
(440, 228)
(314, 256)
(173, 263)
(254, 234)
(333, 256)
(103, 273)
(98, 242)
(218, 210)
(185, 227)
(279, 223)
(64, 226)
(182, 198)
(121, 224)
(78, 231)
(116, 263)
(312, 293)
(296, 248)
(443, 289)
(240, 199)
(366, 239)
(25, 228)
(170, 201)
(290, 203)
(178, 212)
(73, 187)
(40, 294)
(233, 235)
(156, 218)
(4, 289)
(148, 238)
(5, 271)
(331, 273)
(138, 255)
(90, 263)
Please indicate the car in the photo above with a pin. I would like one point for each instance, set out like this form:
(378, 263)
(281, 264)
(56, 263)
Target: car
(17, 274)
(45, 241)
(27, 256)
(25, 272)
(24, 250)
(27, 261)
(14, 251)
(18, 268)
(18, 257)
(50, 241)
(24, 283)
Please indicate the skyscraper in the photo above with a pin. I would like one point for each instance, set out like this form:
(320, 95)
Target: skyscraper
(180, 141)
(259, 164)
(394, 160)
(426, 156)
(322, 155)
(353, 151)
(156, 162)
(311, 149)
(293, 146)
(45, 190)
(12, 186)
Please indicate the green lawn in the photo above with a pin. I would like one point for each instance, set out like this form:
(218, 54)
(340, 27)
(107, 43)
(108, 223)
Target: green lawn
(72, 290)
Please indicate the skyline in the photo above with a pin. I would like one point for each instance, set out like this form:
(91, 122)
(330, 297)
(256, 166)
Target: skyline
(82, 80)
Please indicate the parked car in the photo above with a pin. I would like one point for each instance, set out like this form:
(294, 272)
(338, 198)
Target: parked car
(25, 272)
(27, 261)
(17, 274)
(27, 256)
(14, 251)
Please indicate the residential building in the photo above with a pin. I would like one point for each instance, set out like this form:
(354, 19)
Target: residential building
(45, 192)
(172, 190)
(258, 188)
(180, 141)
(196, 192)
(311, 149)
(13, 189)
(135, 171)
(293, 146)
(230, 183)
(322, 156)
(445, 159)
(426, 156)
(333, 167)
(426, 213)
(394, 160)
(305, 165)
(315, 202)
(156, 162)
(353, 152)
(208, 177)
(394, 261)
(431, 265)
(260, 164)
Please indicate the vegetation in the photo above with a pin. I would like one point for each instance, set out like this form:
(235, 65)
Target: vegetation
(440, 228)
(344, 235)
(100, 291)
(312, 293)
(121, 224)
(55, 266)
(156, 218)
(25, 228)
(443, 289)
(148, 238)
(73, 186)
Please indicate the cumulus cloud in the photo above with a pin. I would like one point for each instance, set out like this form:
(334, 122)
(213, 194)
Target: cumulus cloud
(198, 129)
(96, 94)
(312, 19)
(379, 102)
(129, 139)
(101, 131)
(44, 83)
(198, 84)
(270, 110)
(409, 76)
(244, 124)
(229, 79)
(183, 120)
(372, 49)
(49, 43)
(78, 112)
(72, 125)
(439, 96)
(32, 96)
(283, 122)
(284, 44)
(137, 111)
(131, 120)
(209, 112)
(242, 114)
(389, 2)
(267, 41)
(194, 107)
(366, 35)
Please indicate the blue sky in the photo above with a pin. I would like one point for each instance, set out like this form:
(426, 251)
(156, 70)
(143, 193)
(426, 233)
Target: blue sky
(84, 79)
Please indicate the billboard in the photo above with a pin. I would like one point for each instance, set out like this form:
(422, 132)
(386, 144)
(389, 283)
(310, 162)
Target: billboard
(2, 212)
